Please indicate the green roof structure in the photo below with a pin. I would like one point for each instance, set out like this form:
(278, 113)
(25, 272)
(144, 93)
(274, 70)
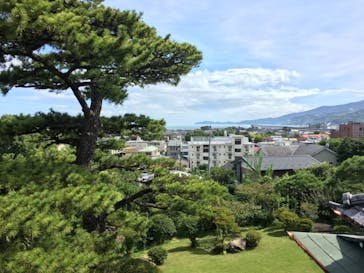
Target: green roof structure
(334, 253)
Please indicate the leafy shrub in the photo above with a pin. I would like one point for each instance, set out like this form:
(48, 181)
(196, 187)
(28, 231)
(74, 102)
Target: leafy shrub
(288, 218)
(137, 266)
(304, 224)
(341, 229)
(157, 254)
(162, 229)
(309, 210)
(188, 226)
(253, 238)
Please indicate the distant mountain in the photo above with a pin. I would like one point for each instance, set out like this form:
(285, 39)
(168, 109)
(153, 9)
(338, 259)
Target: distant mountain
(336, 114)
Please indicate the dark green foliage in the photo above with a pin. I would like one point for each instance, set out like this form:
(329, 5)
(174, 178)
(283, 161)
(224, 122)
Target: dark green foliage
(56, 128)
(309, 210)
(130, 265)
(341, 229)
(245, 213)
(157, 254)
(258, 200)
(332, 143)
(162, 228)
(95, 51)
(223, 176)
(188, 226)
(304, 224)
(60, 217)
(224, 221)
(349, 148)
(349, 176)
(253, 238)
(300, 187)
(288, 218)
(134, 125)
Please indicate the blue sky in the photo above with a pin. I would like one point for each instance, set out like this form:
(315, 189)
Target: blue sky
(261, 58)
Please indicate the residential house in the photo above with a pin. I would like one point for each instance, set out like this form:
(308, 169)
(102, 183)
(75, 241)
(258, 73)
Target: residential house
(278, 165)
(174, 148)
(319, 152)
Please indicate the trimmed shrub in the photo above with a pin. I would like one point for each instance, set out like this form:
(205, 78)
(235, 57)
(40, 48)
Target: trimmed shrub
(288, 218)
(304, 224)
(253, 238)
(161, 229)
(341, 229)
(157, 254)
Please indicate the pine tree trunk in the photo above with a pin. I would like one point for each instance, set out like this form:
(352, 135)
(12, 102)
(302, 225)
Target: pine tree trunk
(91, 129)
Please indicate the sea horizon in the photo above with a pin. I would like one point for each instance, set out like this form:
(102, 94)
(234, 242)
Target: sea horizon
(213, 126)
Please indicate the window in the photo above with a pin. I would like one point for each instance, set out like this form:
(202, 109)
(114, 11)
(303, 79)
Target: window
(237, 150)
(197, 148)
(237, 141)
(205, 148)
(205, 158)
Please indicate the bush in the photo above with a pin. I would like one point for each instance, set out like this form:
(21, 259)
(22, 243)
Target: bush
(137, 266)
(304, 224)
(253, 238)
(162, 229)
(288, 218)
(157, 254)
(341, 229)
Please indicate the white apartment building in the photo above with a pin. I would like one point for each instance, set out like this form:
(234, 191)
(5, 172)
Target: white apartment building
(223, 150)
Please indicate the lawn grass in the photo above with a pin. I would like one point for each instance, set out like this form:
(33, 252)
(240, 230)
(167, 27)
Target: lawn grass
(276, 253)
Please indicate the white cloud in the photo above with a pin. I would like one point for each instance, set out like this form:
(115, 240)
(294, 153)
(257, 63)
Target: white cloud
(228, 95)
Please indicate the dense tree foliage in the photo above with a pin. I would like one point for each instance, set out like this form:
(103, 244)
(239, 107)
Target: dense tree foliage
(60, 217)
(94, 51)
(61, 128)
(348, 176)
(349, 148)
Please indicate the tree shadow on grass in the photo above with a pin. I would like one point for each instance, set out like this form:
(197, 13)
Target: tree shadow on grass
(194, 251)
(277, 233)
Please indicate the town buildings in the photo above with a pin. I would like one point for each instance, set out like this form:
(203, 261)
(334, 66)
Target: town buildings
(220, 150)
(350, 130)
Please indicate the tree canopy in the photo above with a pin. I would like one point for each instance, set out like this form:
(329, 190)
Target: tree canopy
(94, 51)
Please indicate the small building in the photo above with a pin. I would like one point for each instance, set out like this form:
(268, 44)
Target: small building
(279, 165)
(319, 152)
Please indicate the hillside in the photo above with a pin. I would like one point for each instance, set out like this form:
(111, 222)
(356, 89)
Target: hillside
(325, 114)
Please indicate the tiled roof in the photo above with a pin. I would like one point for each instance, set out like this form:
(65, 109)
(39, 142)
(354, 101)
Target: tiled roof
(310, 149)
(291, 162)
(276, 150)
(333, 252)
(352, 208)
